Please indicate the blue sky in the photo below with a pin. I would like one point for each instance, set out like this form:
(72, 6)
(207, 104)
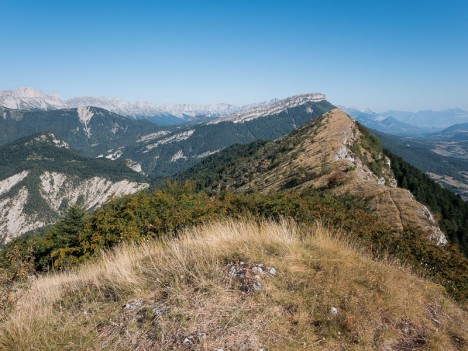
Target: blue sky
(409, 55)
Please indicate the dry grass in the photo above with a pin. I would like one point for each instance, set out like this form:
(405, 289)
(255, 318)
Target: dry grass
(181, 290)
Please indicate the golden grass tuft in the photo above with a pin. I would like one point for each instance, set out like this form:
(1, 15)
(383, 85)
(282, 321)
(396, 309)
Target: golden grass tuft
(178, 295)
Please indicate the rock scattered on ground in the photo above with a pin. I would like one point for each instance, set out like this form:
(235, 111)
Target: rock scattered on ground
(249, 274)
(334, 311)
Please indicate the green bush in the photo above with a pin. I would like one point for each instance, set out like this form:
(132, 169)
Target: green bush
(79, 237)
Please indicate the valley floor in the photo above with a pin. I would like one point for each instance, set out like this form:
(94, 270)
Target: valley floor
(236, 285)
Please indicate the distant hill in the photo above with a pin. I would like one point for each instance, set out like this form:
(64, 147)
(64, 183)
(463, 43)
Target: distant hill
(430, 118)
(389, 125)
(40, 177)
(456, 133)
(404, 123)
(160, 151)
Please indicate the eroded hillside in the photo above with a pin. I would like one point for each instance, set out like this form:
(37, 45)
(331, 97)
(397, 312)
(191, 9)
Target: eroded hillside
(40, 178)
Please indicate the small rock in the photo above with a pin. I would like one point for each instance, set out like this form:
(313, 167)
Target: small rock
(406, 328)
(201, 336)
(133, 304)
(188, 341)
(334, 311)
(257, 270)
(257, 286)
(272, 271)
(159, 310)
(232, 272)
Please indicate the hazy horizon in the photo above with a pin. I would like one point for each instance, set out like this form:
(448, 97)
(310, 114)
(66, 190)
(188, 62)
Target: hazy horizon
(228, 103)
(398, 55)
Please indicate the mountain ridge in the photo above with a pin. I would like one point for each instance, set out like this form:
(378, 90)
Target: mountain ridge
(328, 152)
(167, 154)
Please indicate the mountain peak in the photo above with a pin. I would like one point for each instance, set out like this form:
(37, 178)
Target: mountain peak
(275, 106)
(28, 98)
(47, 138)
(32, 99)
(24, 92)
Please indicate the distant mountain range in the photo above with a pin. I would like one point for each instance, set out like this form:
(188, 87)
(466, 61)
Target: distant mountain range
(430, 118)
(166, 152)
(200, 131)
(160, 151)
(166, 114)
(403, 123)
(29, 99)
(385, 124)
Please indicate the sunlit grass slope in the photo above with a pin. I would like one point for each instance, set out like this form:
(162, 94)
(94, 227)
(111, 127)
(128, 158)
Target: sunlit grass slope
(236, 285)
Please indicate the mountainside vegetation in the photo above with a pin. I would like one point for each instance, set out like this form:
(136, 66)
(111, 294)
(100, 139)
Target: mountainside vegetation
(92, 130)
(168, 154)
(451, 210)
(46, 152)
(449, 162)
(80, 237)
(238, 165)
(162, 212)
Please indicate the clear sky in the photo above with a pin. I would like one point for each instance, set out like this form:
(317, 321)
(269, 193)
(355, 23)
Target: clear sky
(398, 54)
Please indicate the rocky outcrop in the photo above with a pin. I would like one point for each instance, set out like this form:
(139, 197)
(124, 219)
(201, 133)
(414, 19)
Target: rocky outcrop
(21, 211)
(58, 188)
(14, 220)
